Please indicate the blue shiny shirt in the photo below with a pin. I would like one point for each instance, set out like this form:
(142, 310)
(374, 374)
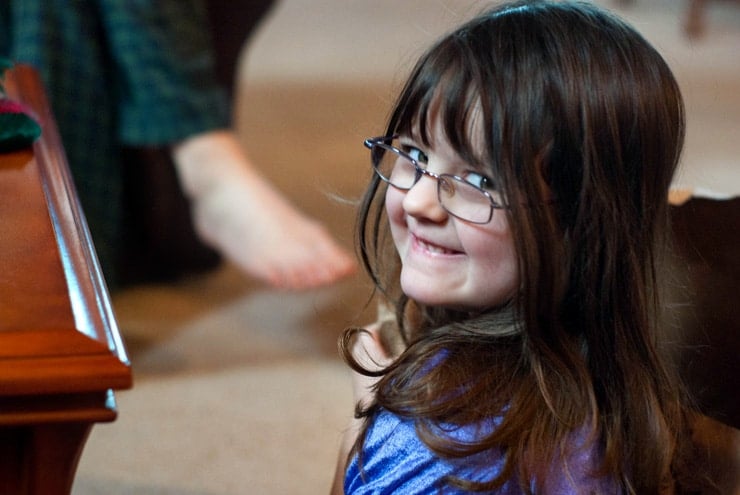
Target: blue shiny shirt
(396, 461)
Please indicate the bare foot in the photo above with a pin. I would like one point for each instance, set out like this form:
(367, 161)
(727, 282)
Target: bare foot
(241, 214)
(257, 229)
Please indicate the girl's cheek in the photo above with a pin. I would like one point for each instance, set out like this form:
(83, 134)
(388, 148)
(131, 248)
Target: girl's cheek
(394, 205)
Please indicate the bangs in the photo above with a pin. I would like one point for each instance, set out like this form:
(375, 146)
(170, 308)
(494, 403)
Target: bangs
(445, 88)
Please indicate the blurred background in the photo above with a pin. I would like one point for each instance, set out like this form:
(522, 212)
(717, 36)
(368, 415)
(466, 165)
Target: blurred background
(238, 388)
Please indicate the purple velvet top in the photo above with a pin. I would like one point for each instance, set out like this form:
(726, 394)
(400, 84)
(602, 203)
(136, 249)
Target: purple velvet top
(396, 461)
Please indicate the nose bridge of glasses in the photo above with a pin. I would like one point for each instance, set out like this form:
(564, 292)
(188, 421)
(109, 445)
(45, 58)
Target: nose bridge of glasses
(442, 182)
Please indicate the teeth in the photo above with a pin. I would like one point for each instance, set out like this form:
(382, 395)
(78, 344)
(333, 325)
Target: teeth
(433, 249)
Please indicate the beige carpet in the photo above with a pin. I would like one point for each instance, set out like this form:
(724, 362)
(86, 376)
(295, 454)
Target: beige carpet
(238, 389)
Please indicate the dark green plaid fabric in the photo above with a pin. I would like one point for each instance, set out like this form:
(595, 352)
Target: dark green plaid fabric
(118, 73)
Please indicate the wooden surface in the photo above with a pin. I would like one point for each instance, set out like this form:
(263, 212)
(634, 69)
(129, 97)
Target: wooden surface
(706, 279)
(61, 355)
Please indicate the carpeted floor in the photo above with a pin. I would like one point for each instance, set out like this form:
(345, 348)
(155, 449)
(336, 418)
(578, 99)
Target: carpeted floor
(238, 389)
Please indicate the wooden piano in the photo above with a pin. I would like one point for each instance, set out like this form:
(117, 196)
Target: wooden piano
(61, 354)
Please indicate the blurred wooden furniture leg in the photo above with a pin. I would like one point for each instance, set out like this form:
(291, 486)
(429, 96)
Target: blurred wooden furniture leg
(48, 453)
(707, 273)
(694, 22)
(704, 280)
(232, 24)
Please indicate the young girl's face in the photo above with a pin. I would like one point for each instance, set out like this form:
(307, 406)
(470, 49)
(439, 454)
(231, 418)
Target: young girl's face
(447, 261)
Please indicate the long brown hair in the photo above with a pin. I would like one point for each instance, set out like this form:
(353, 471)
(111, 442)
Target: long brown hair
(575, 106)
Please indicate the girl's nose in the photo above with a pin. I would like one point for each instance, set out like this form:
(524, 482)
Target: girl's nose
(421, 201)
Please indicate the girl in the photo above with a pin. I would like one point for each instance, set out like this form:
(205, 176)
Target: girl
(523, 180)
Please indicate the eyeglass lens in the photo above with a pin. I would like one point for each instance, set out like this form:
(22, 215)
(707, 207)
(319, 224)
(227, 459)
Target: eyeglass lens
(459, 197)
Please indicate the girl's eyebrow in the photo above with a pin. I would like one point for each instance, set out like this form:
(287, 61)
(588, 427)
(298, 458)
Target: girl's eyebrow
(415, 141)
(410, 134)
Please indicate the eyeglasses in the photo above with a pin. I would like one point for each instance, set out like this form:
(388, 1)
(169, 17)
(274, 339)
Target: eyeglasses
(456, 195)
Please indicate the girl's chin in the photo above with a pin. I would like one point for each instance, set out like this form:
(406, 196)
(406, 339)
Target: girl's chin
(429, 292)
(428, 295)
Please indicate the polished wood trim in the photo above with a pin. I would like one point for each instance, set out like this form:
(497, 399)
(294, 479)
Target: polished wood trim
(61, 354)
(58, 333)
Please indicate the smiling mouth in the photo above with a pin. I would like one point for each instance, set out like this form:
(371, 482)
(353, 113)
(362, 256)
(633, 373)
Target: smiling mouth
(432, 248)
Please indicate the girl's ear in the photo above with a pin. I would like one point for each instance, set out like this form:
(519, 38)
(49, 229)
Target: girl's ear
(543, 162)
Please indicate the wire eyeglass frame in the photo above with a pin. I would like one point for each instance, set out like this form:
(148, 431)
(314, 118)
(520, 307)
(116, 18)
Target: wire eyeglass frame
(448, 185)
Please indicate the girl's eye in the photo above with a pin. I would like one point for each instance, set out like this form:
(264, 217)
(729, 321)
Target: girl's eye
(415, 153)
(481, 181)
